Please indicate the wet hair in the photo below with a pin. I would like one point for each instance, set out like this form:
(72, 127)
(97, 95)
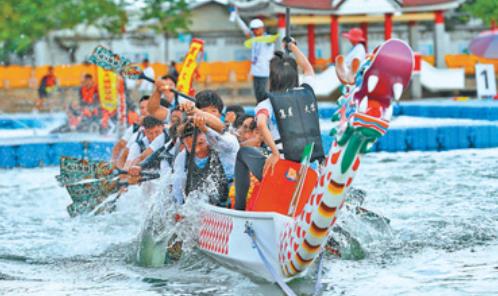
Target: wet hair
(186, 130)
(144, 98)
(283, 72)
(240, 121)
(207, 98)
(150, 122)
(88, 76)
(237, 109)
(170, 77)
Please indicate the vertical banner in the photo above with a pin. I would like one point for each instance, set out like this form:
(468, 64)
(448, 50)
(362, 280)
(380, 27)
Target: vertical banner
(190, 63)
(108, 93)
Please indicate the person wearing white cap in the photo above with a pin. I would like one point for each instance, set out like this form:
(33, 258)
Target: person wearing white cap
(261, 54)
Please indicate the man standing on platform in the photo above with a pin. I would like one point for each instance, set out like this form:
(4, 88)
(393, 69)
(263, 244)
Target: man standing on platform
(261, 54)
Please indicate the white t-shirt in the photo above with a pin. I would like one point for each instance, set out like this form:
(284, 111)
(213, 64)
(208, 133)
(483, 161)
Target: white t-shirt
(158, 142)
(135, 149)
(357, 52)
(133, 138)
(127, 134)
(261, 54)
(146, 86)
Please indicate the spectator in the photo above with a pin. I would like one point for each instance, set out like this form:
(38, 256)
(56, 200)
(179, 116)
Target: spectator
(355, 36)
(48, 84)
(172, 71)
(145, 87)
(89, 99)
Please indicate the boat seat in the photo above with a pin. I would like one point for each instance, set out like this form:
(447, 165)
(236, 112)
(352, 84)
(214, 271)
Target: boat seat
(275, 192)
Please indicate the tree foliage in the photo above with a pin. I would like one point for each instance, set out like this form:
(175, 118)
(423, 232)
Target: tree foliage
(167, 16)
(487, 10)
(23, 22)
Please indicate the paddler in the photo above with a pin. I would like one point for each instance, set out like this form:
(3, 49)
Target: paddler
(152, 129)
(287, 120)
(210, 172)
(121, 148)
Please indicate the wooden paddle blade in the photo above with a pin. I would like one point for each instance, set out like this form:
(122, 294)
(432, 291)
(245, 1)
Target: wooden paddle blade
(80, 208)
(73, 170)
(132, 72)
(93, 190)
(108, 60)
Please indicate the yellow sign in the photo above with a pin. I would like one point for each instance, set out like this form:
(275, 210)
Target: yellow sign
(264, 39)
(184, 83)
(108, 92)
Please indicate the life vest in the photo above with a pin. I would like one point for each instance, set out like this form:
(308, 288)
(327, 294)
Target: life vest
(214, 172)
(89, 95)
(136, 127)
(50, 80)
(296, 111)
(156, 163)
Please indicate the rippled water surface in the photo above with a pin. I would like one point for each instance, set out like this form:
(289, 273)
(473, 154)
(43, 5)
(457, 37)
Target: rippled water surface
(443, 238)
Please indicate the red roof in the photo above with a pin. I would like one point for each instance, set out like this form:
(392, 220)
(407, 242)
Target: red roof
(316, 4)
(327, 4)
(413, 3)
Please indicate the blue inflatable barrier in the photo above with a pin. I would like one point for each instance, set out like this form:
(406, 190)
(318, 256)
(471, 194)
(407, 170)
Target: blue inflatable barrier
(453, 137)
(493, 136)
(64, 149)
(393, 140)
(423, 138)
(8, 157)
(33, 155)
(99, 151)
(492, 113)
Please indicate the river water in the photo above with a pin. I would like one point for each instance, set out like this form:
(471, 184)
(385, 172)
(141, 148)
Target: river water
(443, 240)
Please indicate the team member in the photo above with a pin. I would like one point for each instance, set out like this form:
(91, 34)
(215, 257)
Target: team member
(121, 149)
(287, 121)
(152, 128)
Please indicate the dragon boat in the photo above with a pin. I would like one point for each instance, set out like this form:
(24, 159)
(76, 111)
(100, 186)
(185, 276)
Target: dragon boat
(268, 242)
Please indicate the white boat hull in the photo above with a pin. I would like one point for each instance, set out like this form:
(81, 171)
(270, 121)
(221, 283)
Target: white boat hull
(222, 236)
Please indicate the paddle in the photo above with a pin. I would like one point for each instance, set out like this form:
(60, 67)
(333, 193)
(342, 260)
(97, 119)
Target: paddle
(121, 65)
(74, 169)
(305, 164)
(87, 196)
(287, 28)
(191, 163)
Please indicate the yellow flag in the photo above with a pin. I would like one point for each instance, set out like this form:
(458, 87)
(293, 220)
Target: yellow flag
(265, 39)
(108, 92)
(184, 83)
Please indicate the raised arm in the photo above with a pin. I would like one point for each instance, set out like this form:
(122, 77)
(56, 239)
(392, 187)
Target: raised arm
(211, 120)
(242, 25)
(154, 107)
(301, 59)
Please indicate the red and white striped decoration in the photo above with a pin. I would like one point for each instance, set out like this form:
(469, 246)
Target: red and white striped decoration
(215, 233)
